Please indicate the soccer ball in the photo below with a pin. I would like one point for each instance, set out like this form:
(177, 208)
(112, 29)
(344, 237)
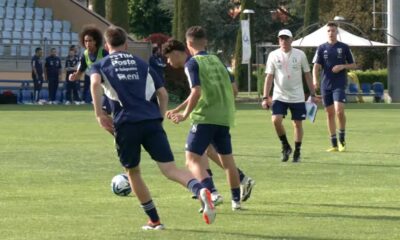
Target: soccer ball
(120, 185)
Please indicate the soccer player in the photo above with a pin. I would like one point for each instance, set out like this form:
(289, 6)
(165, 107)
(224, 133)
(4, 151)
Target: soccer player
(285, 67)
(156, 62)
(71, 63)
(52, 74)
(91, 38)
(334, 58)
(175, 51)
(138, 102)
(211, 108)
(37, 73)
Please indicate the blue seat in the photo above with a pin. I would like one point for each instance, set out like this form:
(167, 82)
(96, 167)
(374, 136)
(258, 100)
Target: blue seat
(379, 91)
(353, 89)
(366, 88)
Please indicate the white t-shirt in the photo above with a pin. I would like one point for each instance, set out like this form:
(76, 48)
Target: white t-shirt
(287, 69)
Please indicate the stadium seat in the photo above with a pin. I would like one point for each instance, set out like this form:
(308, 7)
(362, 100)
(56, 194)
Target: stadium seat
(26, 37)
(25, 51)
(39, 13)
(2, 12)
(56, 38)
(46, 36)
(66, 38)
(18, 25)
(48, 14)
(11, 3)
(21, 3)
(28, 26)
(6, 37)
(1, 24)
(66, 26)
(1, 50)
(353, 88)
(19, 13)
(16, 37)
(13, 50)
(38, 25)
(74, 38)
(64, 51)
(47, 26)
(366, 88)
(379, 90)
(36, 38)
(2, 4)
(30, 3)
(10, 12)
(57, 26)
(29, 12)
(8, 25)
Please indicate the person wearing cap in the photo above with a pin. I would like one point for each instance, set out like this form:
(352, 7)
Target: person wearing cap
(334, 58)
(285, 67)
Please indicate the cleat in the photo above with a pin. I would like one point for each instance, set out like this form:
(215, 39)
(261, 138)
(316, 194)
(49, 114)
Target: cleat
(246, 185)
(342, 146)
(208, 206)
(153, 226)
(216, 198)
(332, 149)
(236, 206)
(286, 151)
(296, 156)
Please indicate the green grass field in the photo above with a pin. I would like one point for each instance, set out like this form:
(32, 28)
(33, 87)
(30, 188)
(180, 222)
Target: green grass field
(56, 165)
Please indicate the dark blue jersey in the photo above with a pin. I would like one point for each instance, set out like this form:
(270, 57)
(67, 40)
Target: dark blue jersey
(131, 85)
(192, 71)
(328, 56)
(53, 66)
(157, 63)
(37, 64)
(93, 57)
(71, 63)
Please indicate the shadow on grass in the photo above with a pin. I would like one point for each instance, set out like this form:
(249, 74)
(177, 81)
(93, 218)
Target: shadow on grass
(336, 206)
(243, 235)
(351, 164)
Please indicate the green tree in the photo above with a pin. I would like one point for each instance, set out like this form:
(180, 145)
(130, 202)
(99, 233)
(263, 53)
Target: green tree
(146, 17)
(311, 13)
(187, 14)
(175, 20)
(117, 13)
(99, 7)
(241, 70)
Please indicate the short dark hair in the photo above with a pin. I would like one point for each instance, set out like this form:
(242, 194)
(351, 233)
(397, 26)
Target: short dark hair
(94, 32)
(115, 36)
(172, 45)
(332, 24)
(196, 32)
(38, 49)
(72, 47)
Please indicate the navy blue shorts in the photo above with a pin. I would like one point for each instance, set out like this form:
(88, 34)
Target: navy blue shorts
(335, 95)
(202, 135)
(129, 138)
(298, 110)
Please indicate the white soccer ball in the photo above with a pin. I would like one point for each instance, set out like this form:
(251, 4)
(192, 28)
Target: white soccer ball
(120, 185)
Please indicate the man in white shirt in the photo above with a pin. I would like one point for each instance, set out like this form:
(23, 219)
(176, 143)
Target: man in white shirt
(285, 68)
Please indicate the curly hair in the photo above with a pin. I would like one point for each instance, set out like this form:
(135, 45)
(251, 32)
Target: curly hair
(171, 45)
(92, 31)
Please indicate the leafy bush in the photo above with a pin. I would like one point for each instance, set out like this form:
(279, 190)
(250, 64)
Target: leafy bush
(371, 76)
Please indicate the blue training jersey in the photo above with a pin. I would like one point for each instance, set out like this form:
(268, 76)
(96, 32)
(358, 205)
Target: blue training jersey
(37, 64)
(53, 66)
(328, 56)
(131, 86)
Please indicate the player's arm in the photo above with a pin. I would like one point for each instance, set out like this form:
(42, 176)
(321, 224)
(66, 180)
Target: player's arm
(316, 70)
(179, 108)
(266, 100)
(310, 85)
(103, 118)
(193, 98)
(34, 68)
(162, 97)
(235, 89)
(81, 70)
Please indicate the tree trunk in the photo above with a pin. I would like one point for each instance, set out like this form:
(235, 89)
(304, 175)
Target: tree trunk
(188, 15)
(117, 13)
(99, 7)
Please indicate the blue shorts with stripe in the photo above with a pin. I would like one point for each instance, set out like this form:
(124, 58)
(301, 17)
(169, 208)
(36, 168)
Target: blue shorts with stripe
(129, 138)
(298, 110)
(202, 135)
(331, 96)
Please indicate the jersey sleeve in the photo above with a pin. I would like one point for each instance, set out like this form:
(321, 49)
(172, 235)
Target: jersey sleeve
(158, 82)
(318, 58)
(192, 73)
(82, 64)
(349, 55)
(269, 67)
(304, 62)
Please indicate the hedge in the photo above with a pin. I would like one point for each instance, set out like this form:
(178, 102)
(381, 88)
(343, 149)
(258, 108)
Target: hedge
(371, 76)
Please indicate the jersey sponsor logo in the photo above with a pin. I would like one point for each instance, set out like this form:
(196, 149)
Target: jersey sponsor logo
(325, 54)
(339, 52)
(194, 128)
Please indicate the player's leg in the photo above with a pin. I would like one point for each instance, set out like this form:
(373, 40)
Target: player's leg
(299, 112)
(156, 144)
(339, 102)
(279, 110)
(327, 98)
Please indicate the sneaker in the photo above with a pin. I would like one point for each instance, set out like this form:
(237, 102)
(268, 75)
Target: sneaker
(342, 146)
(246, 185)
(296, 156)
(153, 226)
(332, 149)
(286, 151)
(208, 206)
(216, 198)
(236, 206)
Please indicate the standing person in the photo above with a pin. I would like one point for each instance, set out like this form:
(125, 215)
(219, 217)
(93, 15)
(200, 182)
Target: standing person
(334, 58)
(175, 51)
(37, 73)
(71, 63)
(157, 63)
(53, 74)
(285, 67)
(138, 102)
(211, 108)
(91, 38)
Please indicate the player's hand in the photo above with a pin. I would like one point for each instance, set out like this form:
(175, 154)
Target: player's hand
(316, 85)
(72, 77)
(169, 113)
(106, 122)
(337, 68)
(266, 103)
(177, 118)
